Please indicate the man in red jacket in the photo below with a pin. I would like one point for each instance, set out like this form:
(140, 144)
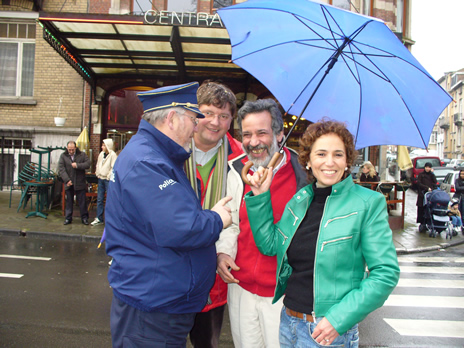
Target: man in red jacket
(212, 148)
(254, 320)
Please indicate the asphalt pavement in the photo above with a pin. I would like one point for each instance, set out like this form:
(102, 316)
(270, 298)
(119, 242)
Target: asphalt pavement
(407, 240)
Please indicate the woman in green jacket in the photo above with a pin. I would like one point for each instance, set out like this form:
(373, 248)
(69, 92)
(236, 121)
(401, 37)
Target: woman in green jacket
(335, 253)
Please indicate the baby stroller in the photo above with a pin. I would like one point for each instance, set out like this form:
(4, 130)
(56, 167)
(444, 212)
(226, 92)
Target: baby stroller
(436, 213)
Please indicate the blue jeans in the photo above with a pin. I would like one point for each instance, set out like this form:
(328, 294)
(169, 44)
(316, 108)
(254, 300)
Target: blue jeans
(102, 188)
(296, 333)
(456, 221)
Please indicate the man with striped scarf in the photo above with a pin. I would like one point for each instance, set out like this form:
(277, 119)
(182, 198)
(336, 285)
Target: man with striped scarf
(212, 148)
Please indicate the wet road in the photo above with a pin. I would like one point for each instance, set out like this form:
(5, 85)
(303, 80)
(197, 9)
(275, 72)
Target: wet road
(426, 309)
(57, 296)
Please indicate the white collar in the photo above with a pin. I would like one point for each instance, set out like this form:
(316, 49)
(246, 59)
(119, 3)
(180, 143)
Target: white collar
(202, 157)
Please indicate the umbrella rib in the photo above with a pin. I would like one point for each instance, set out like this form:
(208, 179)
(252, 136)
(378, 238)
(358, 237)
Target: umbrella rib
(357, 77)
(344, 57)
(322, 38)
(399, 94)
(325, 12)
(383, 77)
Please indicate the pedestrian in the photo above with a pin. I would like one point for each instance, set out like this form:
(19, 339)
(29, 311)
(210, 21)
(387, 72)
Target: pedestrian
(212, 148)
(254, 320)
(455, 216)
(105, 163)
(335, 253)
(71, 167)
(368, 173)
(459, 187)
(161, 240)
(426, 182)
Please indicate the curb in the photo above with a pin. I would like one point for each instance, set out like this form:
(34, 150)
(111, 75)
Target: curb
(403, 251)
(96, 239)
(50, 235)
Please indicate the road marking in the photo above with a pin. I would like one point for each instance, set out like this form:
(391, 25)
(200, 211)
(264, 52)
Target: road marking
(431, 283)
(431, 259)
(26, 257)
(427, 328)
(425, 301)
(10, 275)
(441, 270)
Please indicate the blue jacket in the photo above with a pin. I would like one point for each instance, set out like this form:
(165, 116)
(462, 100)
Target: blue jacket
(160, 239)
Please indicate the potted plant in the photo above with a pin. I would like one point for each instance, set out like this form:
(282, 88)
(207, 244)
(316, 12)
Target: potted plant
(59, 121)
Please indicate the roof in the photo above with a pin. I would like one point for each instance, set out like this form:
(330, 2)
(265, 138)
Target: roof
(128, 47)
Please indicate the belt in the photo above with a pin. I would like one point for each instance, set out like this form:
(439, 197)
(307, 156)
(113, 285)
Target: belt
(307, 317)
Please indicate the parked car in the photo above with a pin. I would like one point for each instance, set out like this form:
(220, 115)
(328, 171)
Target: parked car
(441, 172)
(418, 164)
(445, 161)
(448, 183)
(455, 163)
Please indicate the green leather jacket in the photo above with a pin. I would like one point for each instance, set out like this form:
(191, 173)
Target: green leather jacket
(354, 233)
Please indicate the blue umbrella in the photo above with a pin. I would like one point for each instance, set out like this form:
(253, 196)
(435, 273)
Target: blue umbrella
(375, 85)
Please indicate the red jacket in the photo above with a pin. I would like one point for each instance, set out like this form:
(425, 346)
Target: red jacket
(257, 271)
(218, 293)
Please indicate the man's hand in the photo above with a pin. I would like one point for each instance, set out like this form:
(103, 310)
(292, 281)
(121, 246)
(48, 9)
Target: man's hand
(223, 211)
(74, 165)
(224, 264)
(254, 180)
(69, 183)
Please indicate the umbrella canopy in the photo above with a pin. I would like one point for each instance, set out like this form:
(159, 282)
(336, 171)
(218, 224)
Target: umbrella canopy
(375, 85)
(82, 141)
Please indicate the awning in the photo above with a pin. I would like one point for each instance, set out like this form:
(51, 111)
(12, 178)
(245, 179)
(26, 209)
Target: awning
(124, 47)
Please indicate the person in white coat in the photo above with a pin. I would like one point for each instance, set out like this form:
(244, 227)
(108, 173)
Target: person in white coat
(105, 164)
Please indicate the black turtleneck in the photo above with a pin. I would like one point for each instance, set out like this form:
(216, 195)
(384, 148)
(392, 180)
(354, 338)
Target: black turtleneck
(301, 254)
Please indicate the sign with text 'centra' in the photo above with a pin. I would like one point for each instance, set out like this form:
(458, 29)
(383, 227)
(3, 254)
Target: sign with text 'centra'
(194, 19)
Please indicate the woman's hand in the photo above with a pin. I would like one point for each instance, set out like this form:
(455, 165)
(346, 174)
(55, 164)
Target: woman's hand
(324, 333)
(255, 179)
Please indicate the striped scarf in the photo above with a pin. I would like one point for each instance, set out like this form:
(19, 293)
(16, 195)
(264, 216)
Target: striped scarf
(216, 185)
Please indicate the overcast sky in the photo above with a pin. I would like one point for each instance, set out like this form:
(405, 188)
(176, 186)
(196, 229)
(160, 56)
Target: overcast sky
(439, 35)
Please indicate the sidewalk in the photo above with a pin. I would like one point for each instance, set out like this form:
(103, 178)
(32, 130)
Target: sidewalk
(12, 223)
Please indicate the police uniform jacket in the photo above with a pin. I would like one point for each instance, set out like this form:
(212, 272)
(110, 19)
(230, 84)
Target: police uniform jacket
(160, 239)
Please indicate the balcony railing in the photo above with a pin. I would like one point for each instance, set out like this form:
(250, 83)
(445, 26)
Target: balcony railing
(444, 123)
(458, 118)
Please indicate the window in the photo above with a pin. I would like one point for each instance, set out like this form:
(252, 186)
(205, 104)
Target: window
(17, 51)
(222, 3)
(458, 136)
(399, 16)
(367, 7)
(182, 5)
(344, 4)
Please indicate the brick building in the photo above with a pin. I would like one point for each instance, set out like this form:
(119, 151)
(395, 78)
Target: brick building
(85, 60)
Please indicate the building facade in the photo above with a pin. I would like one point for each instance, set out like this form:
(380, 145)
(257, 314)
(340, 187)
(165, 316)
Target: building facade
(42, 82)
(449, 127)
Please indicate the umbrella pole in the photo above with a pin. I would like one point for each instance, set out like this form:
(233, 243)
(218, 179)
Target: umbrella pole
(276, 157)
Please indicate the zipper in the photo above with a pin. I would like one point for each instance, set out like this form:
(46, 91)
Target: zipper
(334, 240)
(315, 256)
(296, 217)
(280, 267)
(283, 235)
(340, 217)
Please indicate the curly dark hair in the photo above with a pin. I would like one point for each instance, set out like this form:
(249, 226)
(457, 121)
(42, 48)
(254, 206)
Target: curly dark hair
(217, 94)
(318, 129)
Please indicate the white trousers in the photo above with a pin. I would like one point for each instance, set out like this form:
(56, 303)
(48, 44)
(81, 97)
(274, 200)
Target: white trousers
(254, 320)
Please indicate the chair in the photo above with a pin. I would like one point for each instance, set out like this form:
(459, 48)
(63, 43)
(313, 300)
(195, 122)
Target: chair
(34, 179)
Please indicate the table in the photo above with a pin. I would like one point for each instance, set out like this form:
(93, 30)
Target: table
(396, 222)
(41, 188)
